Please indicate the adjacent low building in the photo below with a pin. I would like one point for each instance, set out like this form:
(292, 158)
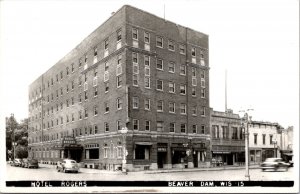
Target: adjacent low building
(228, 141)
(264, 141)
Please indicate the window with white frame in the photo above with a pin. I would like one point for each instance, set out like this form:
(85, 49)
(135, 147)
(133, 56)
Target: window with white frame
(171, 87)
(134, 57)
(202, 92)
(194, 81)
(106, 107)
(147, 104)
(182, 108)
(194, 110)
(171, 67)
(106, 127)
(135, 80)
(182, 89)
(193, 91)
(134, 33)
(159, 64)
(147, 82)
(119, 65)
(119, 81)
(171, 45)
(147, 60)
(119, 35)
(203, 129)
(106, 87)
(147, 125)
(159, 85)
(86, 114)
(193, 51)
(119, 103)
(147, 37)
(182, 70)
(182, 49)
(160, 105)
(95, 110)
(160, 126)
(95, 55)
(106, 72)
(135, 123)
(159, 41)
(194, 128)
(119, 125)
(106, 44)
(183, 128)
(135, 102)
(171, 107)
(172, 127)
(105, 153)
(203, 111)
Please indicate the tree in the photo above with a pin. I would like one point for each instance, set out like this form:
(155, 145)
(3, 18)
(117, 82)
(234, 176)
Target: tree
(21, 151)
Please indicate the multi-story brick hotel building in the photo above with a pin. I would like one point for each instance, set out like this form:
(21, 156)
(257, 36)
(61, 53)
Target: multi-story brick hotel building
(137, 72)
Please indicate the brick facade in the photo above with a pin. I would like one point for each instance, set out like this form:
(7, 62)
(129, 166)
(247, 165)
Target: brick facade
(110, 67)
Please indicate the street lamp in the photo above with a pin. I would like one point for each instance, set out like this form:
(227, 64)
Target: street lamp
(124, 131)
(245, 121)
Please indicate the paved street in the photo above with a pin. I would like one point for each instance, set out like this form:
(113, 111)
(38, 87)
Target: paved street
(48, 172)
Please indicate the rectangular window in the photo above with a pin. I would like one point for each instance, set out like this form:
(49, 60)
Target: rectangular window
(119, 103)
(193, 91)
(134, 33)
(193, 52)
(106, 106)
(202, 92)
(119, 81)
(171, 87)
(106, 84)
(147, 104)
(264, 139)
(95, 91)
(135, 102)
(172, 107)
(95, 110)
(135, 80)
(96, 129)
(194, 110)
(159, 85)
(171, 67)
(159, 64)
(182, 70)
(271, 139)
(147, 60)
(147, 82)
(119, 125)
(160, 126)
(255, 139)
(106, 127)
(202, 129)
(85, 96)
(182, 108)
(119, 35)
(183, 128)
(182, 89)
(203, 111)
(146, 37)
(172, 127)
(86, 114)
(160, 105)
(171, 45)
(194, 128)
(159, 41)
(135, 124)
(194, 81)
(106, 44)
(182, 49)
(134, 57)
(147, 125)
(80, 115)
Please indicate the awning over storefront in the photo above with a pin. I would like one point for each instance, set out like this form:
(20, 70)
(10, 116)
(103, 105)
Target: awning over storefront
(218, 152)
(67, 142)
(143, 143)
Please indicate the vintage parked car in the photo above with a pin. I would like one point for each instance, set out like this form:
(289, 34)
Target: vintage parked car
(16, 162)
(274, 164)
(67, 165)
(30, 163)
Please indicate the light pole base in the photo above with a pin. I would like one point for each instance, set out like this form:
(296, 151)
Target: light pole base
(247, 176)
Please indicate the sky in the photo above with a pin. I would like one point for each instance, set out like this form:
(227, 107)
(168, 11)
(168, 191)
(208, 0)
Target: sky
(256, 41)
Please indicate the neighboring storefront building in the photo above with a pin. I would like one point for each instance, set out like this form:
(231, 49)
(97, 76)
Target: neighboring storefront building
(264, 141)
(228, 142)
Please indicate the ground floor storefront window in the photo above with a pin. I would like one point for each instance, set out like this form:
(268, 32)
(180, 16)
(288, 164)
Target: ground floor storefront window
(142, 152)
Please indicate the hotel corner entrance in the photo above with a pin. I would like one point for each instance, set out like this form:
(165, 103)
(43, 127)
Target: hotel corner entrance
(69, 149)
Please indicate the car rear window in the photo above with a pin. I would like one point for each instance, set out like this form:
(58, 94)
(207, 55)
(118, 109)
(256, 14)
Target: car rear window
(73, 162)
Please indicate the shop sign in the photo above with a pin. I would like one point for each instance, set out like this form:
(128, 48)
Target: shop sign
(162, 149)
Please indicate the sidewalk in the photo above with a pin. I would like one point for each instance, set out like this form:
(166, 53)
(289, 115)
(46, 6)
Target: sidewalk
(98, 171)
